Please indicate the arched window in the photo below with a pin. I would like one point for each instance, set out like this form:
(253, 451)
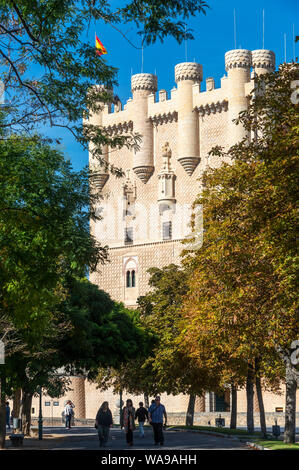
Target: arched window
(130, 273)
(128, 279)
(133, 280)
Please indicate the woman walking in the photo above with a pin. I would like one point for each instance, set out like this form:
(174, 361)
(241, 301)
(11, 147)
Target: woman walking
(103, 423)
(128, 421)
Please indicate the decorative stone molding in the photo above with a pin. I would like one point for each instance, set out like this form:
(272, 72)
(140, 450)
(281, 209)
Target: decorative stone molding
(166, 179)
(144, 81)
(164, 118)
(129, 193)
(144, 172)
(263, 58)
(189, 164)
(120, 128)
(237, 58)
(99, 180)
(212, 108)
(188, 71)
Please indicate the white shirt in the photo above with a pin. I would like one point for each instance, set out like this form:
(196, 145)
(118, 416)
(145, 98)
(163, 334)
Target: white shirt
(68, 410)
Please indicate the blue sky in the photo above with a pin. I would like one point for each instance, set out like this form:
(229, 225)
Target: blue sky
(213, 36)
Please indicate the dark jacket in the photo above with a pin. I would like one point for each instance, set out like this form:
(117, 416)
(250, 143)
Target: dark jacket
(104, 418)
(141, 414)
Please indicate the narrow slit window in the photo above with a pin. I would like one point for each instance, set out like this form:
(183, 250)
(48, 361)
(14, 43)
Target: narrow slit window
(128, 236)
(166, 230)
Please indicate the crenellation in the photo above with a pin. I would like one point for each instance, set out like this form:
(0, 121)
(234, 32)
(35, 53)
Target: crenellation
(173, 93)
(162, 106)
(162, 96)
(210, 84)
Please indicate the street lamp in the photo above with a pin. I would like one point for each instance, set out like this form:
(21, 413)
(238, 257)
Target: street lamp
(40, 416)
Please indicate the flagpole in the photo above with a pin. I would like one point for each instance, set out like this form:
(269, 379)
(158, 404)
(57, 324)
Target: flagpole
(235, 29)
(185, 43)
(263, 29)
(142, 55)
(293, 42)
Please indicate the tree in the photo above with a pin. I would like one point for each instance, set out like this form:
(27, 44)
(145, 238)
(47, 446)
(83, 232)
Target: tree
(88, 330)
(12, 344)
(49, 71)
(243, 283)
(165, 368)
(103, 332)
(45, 209)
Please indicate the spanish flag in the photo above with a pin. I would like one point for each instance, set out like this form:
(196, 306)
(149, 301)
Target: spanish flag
(100, 49)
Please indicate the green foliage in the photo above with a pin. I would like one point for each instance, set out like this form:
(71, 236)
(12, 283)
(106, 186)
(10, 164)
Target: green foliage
(165, 368)
(88, 330)
(49, 70)
(44, 230)
(102, 332)
(242, 302)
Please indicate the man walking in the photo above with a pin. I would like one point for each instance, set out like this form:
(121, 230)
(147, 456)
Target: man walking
(7, 409)
(155, 416)
(141, 414)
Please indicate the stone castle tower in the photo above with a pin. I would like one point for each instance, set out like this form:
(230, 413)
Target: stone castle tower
(146, 214)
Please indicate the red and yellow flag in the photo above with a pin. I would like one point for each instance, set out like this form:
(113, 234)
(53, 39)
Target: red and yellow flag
(100, 48)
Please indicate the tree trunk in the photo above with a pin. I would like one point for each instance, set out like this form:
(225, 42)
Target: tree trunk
(290, 413)
(233, 411)
(249, 396)
(16, 407)
(190, 410)
(259, 394)
(146, 400)
(2, 410)
(26, 404)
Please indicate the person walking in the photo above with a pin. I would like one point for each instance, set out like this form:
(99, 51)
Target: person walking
(128, 421)
(103, 423)
(141, 414)
(155, 416)
(68, 413)
(7, 409)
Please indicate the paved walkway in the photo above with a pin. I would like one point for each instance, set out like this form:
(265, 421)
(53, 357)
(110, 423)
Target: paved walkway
(85, 438)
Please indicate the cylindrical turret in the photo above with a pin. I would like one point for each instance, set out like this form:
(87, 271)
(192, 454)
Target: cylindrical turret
(143, 84)
(186, 75)
(263, 61)
(100, 174)
(237, 65)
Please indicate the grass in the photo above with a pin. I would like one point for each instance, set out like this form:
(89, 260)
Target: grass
(273, 444)
(233, 432)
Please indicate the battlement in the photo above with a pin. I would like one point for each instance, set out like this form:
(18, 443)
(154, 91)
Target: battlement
(188, 71)
(186, 107)
(238, 58)
(263, 58)
(144, 81)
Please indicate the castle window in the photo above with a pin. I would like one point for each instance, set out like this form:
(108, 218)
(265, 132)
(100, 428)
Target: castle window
(130, 275)
(128, 279)
(131, 278)
(128, 236)
(167, 230)
(133, 281)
